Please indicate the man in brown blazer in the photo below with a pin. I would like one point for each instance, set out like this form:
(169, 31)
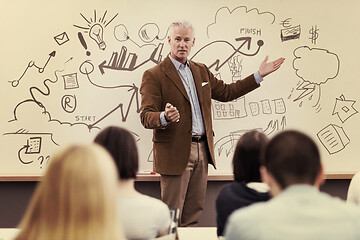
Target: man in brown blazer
(176, 103)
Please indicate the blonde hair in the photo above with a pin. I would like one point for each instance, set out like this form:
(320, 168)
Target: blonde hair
(76, 198)
(183, 24)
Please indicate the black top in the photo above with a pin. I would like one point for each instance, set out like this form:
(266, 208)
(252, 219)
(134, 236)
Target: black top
(234, 196)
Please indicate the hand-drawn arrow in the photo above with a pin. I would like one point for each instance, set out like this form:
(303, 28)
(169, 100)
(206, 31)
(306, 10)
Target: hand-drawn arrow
(121, 107)
(246, 40)
(19, 154)
(15, 83)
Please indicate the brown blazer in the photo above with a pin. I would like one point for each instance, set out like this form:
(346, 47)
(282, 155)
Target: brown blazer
(162, 84)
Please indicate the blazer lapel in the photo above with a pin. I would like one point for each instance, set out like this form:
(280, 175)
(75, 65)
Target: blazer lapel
(198, 81)
(170, 70)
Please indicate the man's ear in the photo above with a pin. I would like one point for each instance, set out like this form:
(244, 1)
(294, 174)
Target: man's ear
(169, 39)
(193, 43)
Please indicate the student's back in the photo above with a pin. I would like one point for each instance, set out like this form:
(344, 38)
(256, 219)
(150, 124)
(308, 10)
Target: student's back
(247, 187)
(75, 199)
(298, 210)
(142, 217)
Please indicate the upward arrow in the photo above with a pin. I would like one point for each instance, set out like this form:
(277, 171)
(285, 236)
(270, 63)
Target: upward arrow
(246, 40)
(52, 54)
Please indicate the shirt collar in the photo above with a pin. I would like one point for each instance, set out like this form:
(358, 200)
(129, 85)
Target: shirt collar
(178, 64)
(299, 189)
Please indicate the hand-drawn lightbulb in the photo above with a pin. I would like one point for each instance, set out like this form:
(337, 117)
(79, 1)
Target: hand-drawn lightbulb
(96, 33)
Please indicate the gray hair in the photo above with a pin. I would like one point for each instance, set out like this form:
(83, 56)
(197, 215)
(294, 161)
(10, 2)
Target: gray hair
(184, 24)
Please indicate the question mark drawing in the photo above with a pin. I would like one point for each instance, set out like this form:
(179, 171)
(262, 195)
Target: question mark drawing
(41, 159)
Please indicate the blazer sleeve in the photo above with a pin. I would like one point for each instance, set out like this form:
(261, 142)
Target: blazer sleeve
(151, 101)
(224, 92)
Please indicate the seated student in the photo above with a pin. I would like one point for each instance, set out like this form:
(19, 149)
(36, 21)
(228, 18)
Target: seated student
(298, 210)
(75, 199)
(143, 217)
(353, 194)
(247, 188)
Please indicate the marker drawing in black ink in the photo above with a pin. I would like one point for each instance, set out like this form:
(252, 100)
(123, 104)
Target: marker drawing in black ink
(83, 43)
(344, 108)
(333, 138)
(228, 142)
(68, 103)
(61, 38)
(128, 62)
(15, 83)
(270, 17)
(95, 28)
(217, 64)
(314, 34)
(327, 68)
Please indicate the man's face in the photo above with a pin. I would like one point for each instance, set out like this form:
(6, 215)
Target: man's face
(181, 41)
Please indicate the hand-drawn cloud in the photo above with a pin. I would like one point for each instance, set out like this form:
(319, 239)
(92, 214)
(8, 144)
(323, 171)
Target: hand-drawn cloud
(33, 118)
(238, 20)
(315, 65)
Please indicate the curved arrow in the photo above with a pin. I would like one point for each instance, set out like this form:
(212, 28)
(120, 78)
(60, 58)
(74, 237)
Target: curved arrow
(19, 154)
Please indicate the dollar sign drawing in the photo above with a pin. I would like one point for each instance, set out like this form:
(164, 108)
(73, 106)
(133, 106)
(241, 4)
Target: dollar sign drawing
(314, 34)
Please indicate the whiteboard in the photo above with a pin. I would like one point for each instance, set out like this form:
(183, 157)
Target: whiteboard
(71, 68)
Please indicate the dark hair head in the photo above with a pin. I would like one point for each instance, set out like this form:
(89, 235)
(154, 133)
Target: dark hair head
(246, 160)
(121, 145)
(292, 158)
